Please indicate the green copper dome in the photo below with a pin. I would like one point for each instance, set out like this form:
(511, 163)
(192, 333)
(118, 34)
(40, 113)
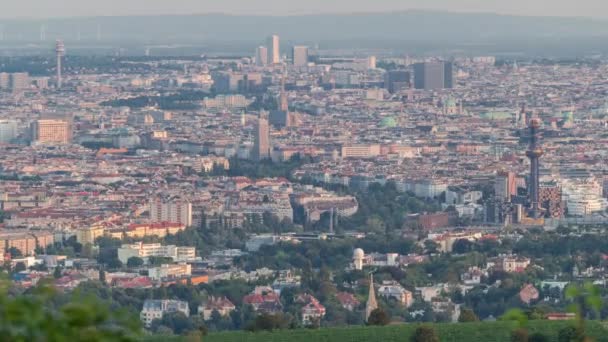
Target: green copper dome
(388, 122)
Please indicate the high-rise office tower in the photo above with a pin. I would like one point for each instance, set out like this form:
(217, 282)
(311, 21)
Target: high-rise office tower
(19, 81)
(433, 75)
(60, 51)
(534, 153)
(261, 56)
(274, 51)
(8, 131)
(396, 80)
(300, 55)
(5, 80)
(448, 75)
(371, 62)
(261, 143)
(42, 32)
(505, 186)
(52, 131)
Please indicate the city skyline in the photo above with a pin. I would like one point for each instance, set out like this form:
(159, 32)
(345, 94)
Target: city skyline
(72, 8)
(222, 175)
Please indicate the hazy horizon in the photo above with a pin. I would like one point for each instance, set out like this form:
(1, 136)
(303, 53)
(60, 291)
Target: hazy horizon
(43, 9)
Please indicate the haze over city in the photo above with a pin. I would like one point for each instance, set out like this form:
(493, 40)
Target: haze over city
(70, 8)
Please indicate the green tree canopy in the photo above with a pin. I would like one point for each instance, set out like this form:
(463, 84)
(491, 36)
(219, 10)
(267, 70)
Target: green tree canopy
(378, 317)
(425, 333)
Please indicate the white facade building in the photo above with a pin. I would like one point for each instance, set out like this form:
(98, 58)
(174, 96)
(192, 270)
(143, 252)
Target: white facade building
(146, 250)
(155, 309)
(583, 197)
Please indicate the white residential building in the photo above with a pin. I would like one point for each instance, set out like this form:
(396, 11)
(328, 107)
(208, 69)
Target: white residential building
(174, 211)
(155, 309)
(146, 250)
(395, 291)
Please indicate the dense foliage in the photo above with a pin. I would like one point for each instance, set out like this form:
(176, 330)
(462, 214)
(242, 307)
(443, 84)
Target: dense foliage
(42, 314)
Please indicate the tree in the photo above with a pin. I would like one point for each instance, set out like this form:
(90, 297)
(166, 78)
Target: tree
(538, 337)
(87, 251)
(467, 315)
(19, 267)
(157, 261)
(133, 262)
(57, 272)
(114, 263)
(102, 276)
(425, 333)
(38, 316)
(378, 317)
(462, 246)
(585, 299)
(519, 335)
(269, 322)
(568, 334)
(431, 246)
(176, 321)
(15, 252)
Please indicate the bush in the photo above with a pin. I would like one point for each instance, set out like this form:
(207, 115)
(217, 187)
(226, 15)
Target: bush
(568, 334)
(39, 316)
(467, 315)
(269, 322)
(425, 333)
(538, 337)
(519, 335)
(135, 262)
(378, 317)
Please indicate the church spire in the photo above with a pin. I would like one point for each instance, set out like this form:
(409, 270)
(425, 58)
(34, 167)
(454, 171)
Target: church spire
(371, 304)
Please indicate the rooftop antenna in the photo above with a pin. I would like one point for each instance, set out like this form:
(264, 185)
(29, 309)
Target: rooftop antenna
(60, 52)
(331, 221)
(42, 32)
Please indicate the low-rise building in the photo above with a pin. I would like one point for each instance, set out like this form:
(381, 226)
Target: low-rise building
(169, 271)
(220, 304)
(528, 294)
(155, 309)
(348, 300)
(393, 290)
(146, 250)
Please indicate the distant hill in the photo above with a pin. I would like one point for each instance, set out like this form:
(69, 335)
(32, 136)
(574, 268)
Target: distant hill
(414, 32)
(407, 25)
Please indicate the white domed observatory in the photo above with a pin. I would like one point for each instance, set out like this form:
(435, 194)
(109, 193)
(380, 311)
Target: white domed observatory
(358, 256)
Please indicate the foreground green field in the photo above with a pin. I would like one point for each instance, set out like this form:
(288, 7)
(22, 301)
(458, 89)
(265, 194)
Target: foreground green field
(462, 332)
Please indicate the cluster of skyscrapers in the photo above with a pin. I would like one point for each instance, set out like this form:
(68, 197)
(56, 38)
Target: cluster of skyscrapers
(427, 75)
(270, 54)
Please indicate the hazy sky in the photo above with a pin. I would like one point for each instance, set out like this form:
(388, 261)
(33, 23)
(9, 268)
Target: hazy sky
(68, 8)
